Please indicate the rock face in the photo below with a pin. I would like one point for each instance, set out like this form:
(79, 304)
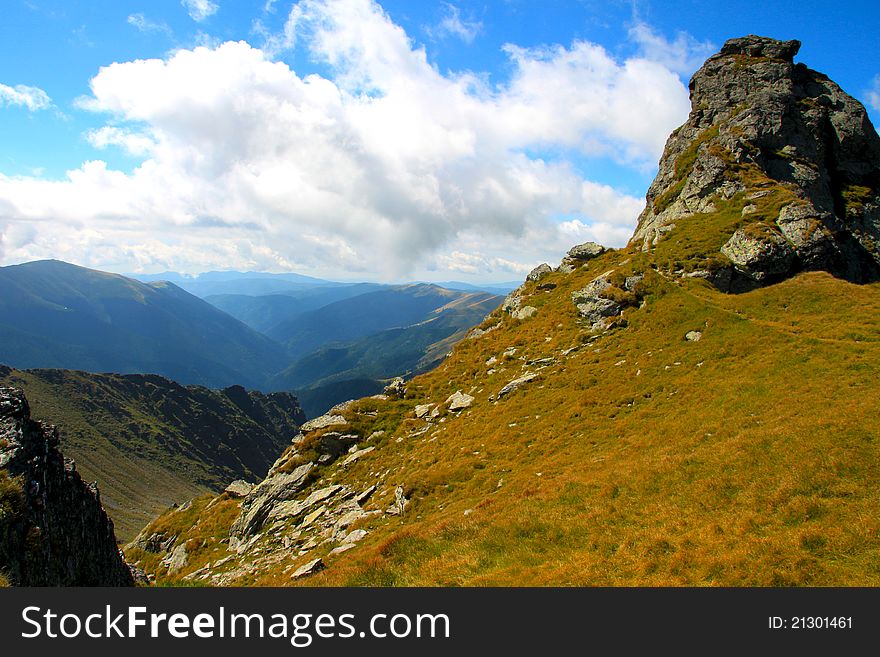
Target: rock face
(53, 530)
(265, 495)
(778, 161)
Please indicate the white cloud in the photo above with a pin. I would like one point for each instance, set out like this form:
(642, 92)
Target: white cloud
(199, 10)
(144, 24)
(452, 25)
(385, 167)
(872, 96)
(31, 98)
(684, 55)
(132, 142)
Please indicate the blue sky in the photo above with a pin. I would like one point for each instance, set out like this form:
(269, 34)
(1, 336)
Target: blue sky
(142, 196)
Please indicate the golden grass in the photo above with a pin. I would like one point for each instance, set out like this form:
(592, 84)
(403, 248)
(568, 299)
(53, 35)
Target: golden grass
(747, 458)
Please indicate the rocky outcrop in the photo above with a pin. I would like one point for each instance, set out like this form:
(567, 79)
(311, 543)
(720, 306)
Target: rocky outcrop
(778, 161)
(539, 272)
(396, 389)
(594, 307)
(580, 255)
(53, 530)
(262, 499)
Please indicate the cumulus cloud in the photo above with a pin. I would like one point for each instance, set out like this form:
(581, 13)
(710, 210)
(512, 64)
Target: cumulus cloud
(31, 98)
(384, 167)
(684, 55)
(199, 10)
(453, 25)
(872, 96)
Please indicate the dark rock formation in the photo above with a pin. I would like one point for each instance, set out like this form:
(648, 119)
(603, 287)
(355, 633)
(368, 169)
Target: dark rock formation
(779, 161)
(53, 530)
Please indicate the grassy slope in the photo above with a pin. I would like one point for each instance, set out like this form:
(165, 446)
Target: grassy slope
(749, 457)
(147, 441)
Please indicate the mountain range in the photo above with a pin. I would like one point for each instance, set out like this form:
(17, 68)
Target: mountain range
(58, 315)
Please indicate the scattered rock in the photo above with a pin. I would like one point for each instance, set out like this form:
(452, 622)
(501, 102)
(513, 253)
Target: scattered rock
(311, 517)
(323, 422)
(478, 332)
(398, 507)
(512, 302)
(341, 407)
(524, 313)
(397, 388)
(593, 307)
(586, 251)
(307, 569)
(365, 495)
(295, 508)
(579, 255)
(354, 536)
(278, 488)
(176, 561)
(459, 401)
(238, 488)
(332, 445)
(155, 543)
(421, 410)
(356, 455)
(539, 272)
(693, 336)
(631, 281)
(349, 518)
(517, 383)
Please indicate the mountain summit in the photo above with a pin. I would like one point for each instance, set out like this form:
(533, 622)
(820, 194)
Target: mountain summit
(776, 170)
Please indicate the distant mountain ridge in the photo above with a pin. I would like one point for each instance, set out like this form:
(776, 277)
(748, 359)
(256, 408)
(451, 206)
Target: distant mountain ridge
(360, 316)
(54, 314)
(321, 377)
(329, 341)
